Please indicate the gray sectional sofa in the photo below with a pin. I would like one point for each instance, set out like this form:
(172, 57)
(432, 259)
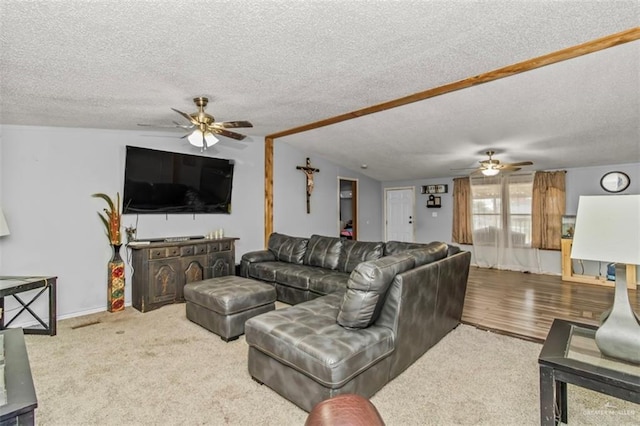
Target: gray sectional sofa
(302, 269)
(362, 312)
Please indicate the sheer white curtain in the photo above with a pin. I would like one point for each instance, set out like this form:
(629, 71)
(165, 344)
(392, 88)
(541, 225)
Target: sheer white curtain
(501, 222)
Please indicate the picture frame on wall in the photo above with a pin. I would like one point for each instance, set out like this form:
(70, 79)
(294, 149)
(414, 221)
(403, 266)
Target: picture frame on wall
(434, 202)
(441, 189)
(435, 189)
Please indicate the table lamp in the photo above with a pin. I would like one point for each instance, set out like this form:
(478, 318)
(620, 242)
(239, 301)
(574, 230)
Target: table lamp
(607, 229)
(4, 228)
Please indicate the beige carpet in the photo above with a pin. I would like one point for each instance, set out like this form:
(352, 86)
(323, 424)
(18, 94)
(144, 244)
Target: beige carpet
(158, 368)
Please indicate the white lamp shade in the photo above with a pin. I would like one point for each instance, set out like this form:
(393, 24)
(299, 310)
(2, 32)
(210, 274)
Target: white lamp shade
(195, 139)
(4, 228)
(607, 229)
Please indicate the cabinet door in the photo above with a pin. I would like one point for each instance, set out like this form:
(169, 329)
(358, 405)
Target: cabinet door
(193, 268)
(220, 265)
(164, 281)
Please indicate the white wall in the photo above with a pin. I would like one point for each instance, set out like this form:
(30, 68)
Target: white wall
(428, 227)
(586, 181)
(1, 168)
(47, 176)
(579, 181)
(289, 197)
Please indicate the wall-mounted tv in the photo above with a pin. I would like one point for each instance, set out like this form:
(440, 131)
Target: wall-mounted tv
(168, 182)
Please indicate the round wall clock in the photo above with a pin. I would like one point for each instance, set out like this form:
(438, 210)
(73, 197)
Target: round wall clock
(615, 181)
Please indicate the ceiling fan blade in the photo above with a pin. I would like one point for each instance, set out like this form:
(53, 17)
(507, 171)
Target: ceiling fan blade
(233, 124)
(465, 168)
(509, 169)
(187, 116)
(521, 163)
(227, 133)
(184, 126)
(158, 125)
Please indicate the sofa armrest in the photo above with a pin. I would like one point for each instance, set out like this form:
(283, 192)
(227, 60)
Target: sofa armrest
(259, 256)
(254, 257)
(423, 305)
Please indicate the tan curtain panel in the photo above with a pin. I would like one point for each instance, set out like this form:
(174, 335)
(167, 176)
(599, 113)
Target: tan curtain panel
(548, 206)
(461, 232)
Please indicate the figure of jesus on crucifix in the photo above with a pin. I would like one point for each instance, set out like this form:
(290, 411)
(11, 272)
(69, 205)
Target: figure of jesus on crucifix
(308, 171)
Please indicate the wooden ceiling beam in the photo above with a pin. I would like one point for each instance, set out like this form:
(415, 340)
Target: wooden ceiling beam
(528, 65)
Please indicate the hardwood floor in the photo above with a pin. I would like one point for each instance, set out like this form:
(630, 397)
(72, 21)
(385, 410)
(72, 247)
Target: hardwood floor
(525, 305)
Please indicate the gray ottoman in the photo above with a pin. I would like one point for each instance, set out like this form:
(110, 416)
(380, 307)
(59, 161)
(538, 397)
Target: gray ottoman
(223, 304)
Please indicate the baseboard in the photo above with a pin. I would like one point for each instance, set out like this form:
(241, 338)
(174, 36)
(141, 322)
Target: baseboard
(503, 332)
(33, 323)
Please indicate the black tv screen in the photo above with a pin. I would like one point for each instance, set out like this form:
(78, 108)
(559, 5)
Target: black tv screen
(169, 182)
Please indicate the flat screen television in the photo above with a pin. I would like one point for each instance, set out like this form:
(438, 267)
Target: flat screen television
(168, 182)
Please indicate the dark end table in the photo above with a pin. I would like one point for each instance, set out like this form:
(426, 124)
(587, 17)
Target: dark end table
(12, 286)
(570, 355)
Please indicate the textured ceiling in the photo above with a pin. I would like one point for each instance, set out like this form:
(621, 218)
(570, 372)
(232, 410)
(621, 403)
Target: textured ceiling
(282, 64)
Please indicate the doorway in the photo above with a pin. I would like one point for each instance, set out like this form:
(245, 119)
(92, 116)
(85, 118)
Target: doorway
(348, 208)
(399, 210)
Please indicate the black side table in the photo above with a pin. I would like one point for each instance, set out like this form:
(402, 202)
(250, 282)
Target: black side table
(570, 355)
(11, 286)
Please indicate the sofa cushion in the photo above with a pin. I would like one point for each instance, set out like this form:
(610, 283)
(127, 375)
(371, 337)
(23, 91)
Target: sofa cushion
(429, 253)
(355, 252)
(395, 247)
(287, 249)
(367, 288)
(328, 282)
(307, 338)
(265, 271)
(319, 280)
(297, 276)
(323, 252)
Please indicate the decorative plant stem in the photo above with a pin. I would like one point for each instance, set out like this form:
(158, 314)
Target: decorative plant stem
(111, 218)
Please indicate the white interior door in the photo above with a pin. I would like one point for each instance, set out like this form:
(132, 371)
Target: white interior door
(399, 212)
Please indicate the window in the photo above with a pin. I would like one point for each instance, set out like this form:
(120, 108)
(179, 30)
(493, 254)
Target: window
(501, 222)
(501, 210)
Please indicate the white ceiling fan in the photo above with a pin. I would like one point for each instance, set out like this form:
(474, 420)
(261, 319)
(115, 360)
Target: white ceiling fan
(204, 127)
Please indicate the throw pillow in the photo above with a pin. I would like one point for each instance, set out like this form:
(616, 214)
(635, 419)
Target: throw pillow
(367, 289)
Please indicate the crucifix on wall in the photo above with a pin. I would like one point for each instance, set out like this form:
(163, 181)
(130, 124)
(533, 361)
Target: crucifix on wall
(308, 171)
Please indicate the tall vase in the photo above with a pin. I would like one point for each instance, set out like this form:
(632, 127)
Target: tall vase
(115, 289)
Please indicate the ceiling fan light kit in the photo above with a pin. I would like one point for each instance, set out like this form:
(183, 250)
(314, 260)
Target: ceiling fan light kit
(202, 140)
(205, 127)
(491, 171)
(493, 167)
